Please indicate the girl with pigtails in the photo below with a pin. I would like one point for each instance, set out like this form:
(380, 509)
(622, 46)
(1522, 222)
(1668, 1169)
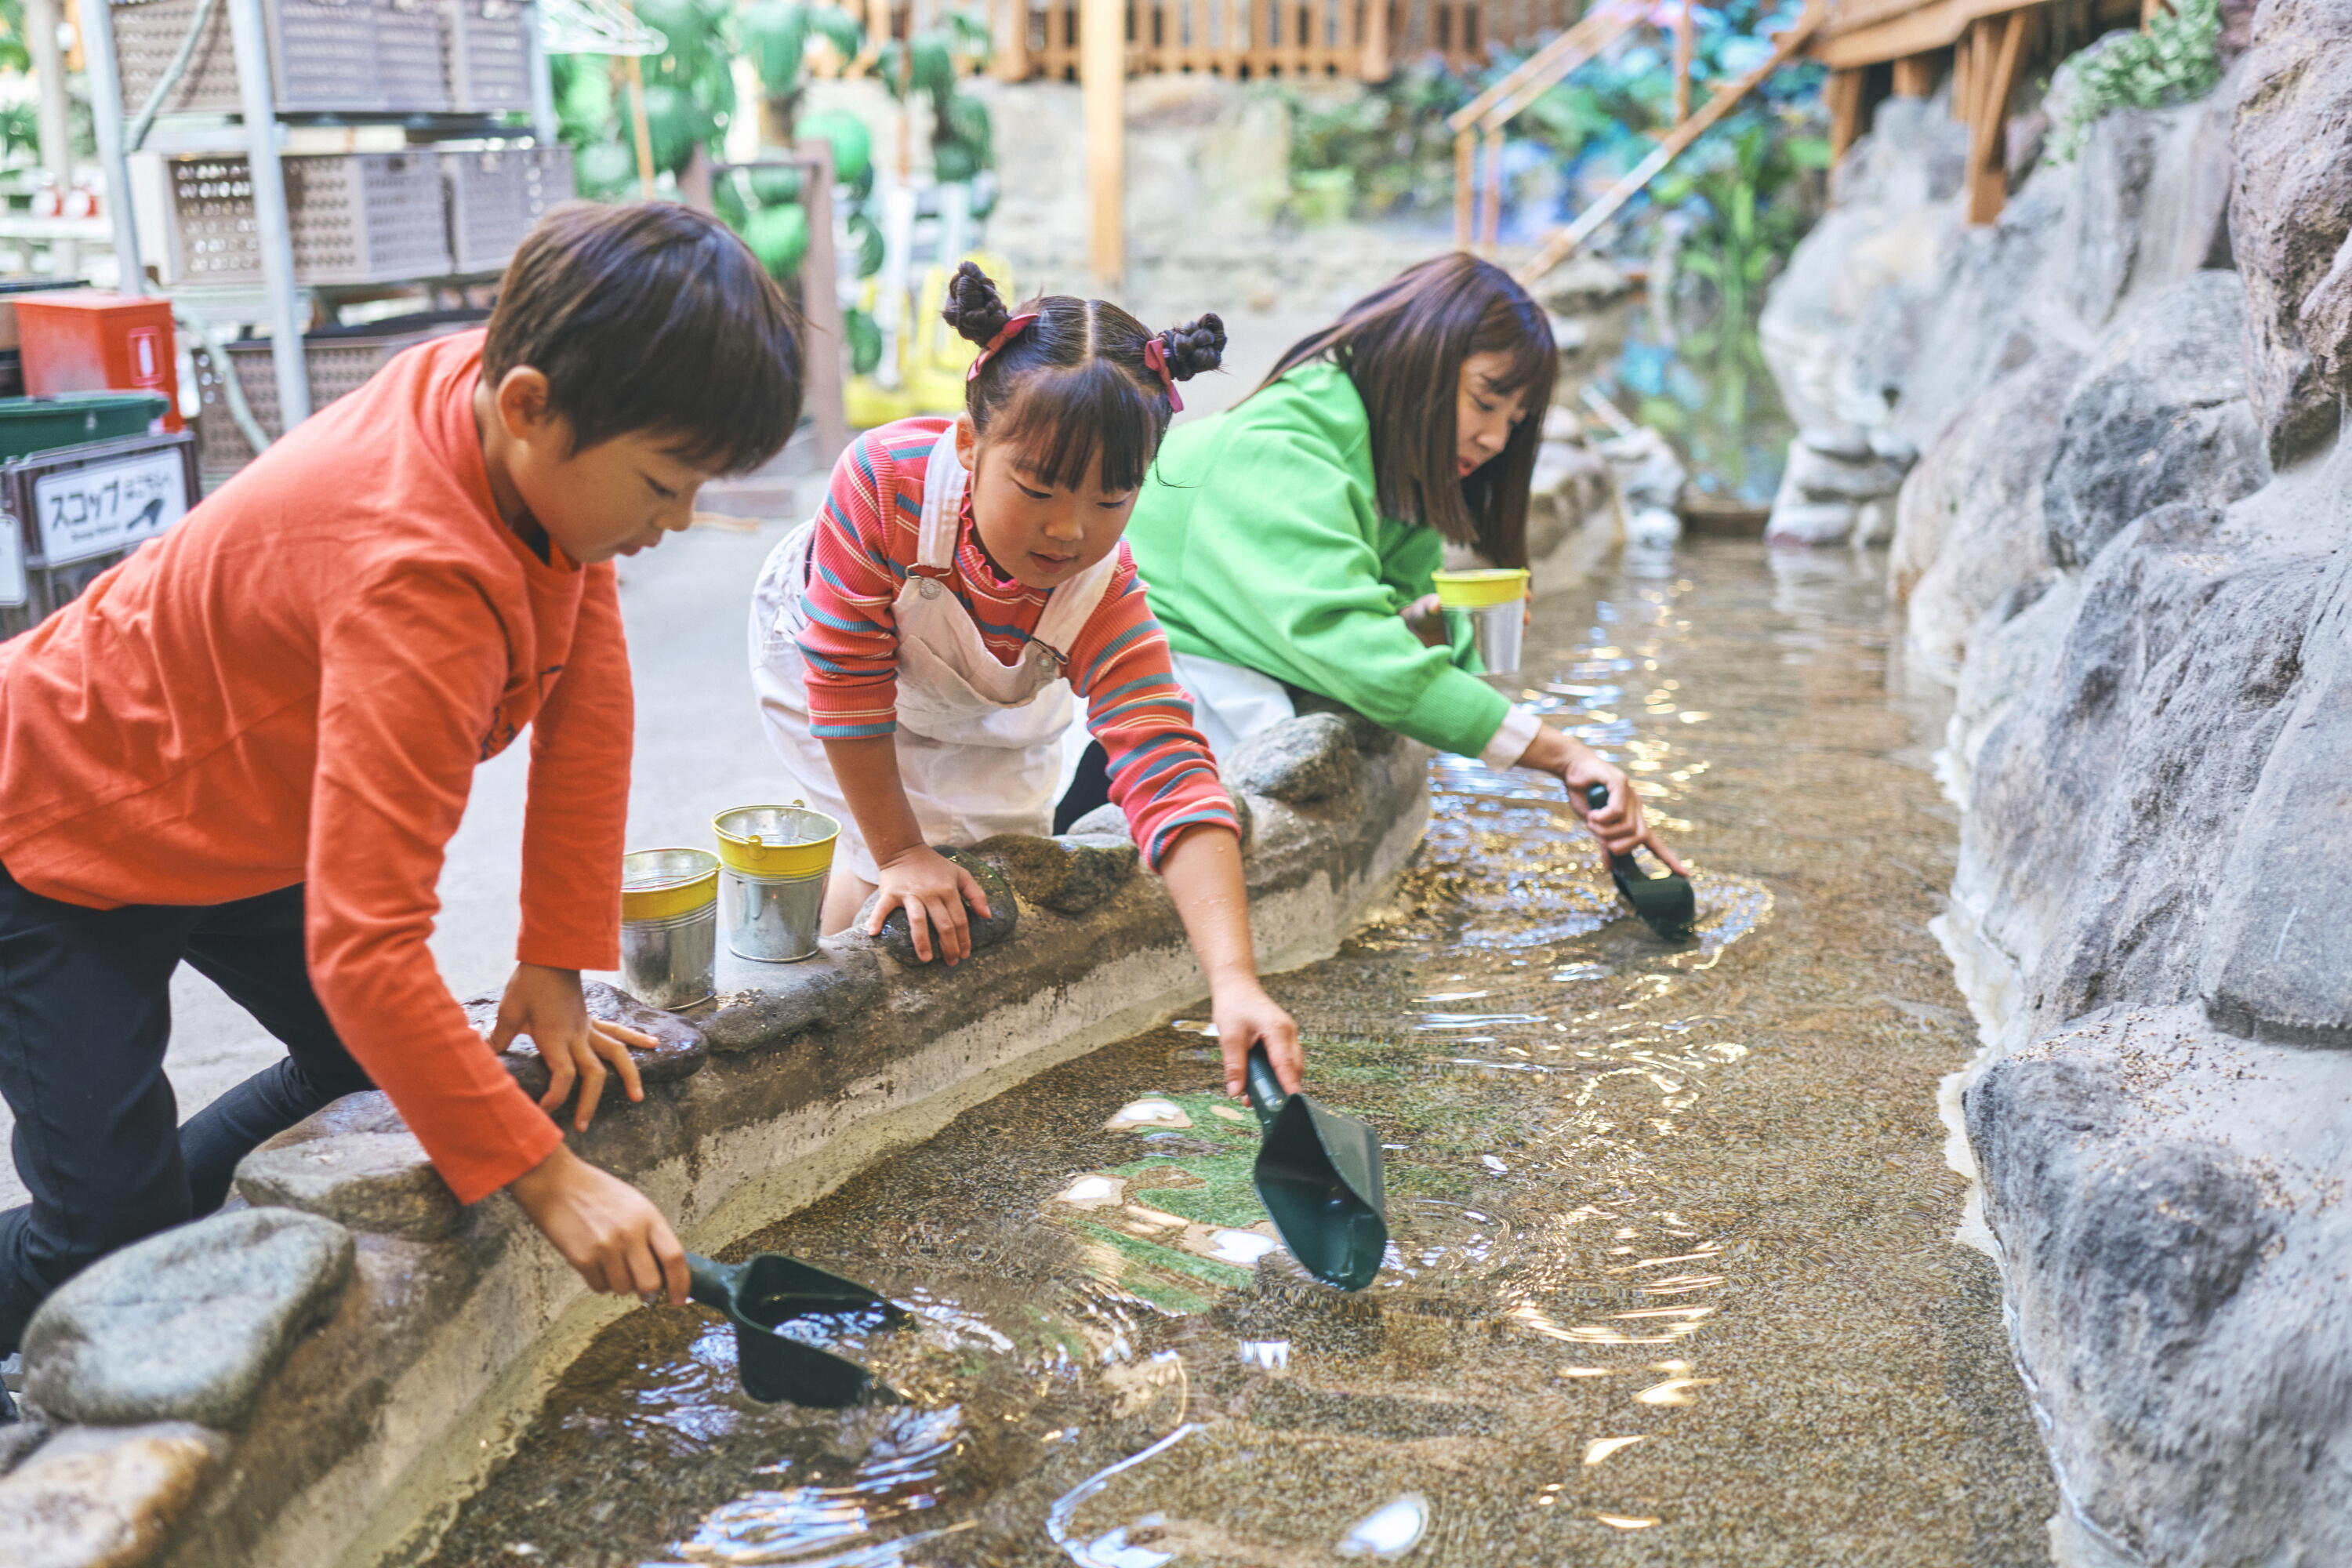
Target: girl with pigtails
(919, 645)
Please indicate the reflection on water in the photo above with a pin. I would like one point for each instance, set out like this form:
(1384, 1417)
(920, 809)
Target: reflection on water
(1669, 1277)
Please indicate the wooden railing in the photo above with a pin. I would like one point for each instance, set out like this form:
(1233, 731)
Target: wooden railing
(1253, 39)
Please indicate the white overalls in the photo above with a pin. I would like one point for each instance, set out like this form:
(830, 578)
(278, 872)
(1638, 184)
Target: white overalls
(978, 740)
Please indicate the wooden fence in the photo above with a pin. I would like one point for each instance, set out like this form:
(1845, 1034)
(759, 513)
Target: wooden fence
(1248, 40)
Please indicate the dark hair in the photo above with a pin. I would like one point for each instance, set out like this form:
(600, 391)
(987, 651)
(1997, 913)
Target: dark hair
(1074, 382)
(652, 316)
(1403, 345)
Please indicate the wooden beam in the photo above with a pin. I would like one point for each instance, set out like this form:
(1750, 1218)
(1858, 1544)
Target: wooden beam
(1563, 242)
(1992, 82)
(1490, 226)
(1376, 65)
(1102, 77)
(1876, 35)
(821, 346)
(1844, 97)
(1682, 41)
(1010, 25)
(1915, 75)
(1592, 33)
(1466, 189)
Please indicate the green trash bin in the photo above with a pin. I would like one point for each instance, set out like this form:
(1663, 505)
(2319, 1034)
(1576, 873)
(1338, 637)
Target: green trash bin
(29, 425)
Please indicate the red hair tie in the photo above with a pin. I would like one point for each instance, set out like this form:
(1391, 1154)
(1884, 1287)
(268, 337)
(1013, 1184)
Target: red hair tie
(1012, 329)
(1155, 354)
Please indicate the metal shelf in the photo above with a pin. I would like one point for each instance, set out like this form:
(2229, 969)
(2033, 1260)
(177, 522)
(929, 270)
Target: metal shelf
(264, 136)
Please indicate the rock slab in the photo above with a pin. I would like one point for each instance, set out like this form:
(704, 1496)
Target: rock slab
(1066, 874)
(379, 1183)
(679, 1051)
(188, 1325)
(104, 1496)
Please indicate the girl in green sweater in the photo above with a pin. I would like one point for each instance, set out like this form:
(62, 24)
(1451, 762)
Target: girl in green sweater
(1290, 541)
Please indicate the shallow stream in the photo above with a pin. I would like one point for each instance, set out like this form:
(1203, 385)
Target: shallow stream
(1672, 1280)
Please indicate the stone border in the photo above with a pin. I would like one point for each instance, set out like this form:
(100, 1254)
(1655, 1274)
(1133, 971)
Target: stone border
(317, 1375)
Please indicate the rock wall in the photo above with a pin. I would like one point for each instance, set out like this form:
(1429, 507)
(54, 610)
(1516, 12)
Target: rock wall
(2123, 555)
(317, 1374)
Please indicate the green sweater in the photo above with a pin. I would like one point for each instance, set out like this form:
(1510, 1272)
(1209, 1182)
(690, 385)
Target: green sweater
(1259, 544)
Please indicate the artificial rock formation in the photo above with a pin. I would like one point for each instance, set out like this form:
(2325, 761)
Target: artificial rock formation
(2124, 553)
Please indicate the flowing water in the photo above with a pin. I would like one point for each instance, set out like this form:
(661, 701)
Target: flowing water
(1671, 1280)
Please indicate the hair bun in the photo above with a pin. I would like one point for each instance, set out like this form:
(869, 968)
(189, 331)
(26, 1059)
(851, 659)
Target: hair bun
(1194, 347)
(974, 308)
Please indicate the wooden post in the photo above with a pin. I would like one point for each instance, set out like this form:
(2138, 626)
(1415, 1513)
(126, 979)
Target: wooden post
(1914, 77)
(1491, 219)
(1376, 66)
(1844, 97)
(1466, 189)
(822, 345)
(1682, 64)
(1102, 75)
(52, 115)
(633, 72)
(1012, 61)
(1993, 81)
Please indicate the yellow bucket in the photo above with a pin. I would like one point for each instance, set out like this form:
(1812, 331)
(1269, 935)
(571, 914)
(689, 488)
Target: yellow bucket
(776, 841)
(1480, 590)
(662, 884)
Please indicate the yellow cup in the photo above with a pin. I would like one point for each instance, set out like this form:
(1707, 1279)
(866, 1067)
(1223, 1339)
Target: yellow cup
(776, 841)
(1479, 590)
(661, 884)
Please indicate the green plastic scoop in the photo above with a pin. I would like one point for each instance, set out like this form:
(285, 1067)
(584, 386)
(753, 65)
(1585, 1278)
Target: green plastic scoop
(1666, 903)
(1318, 1175)
(771, 1299)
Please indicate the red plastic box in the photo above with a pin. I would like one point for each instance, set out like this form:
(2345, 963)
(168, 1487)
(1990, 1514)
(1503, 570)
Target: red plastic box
(83, 340)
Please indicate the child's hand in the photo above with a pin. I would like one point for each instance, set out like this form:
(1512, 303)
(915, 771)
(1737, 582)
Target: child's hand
(1245, 1016)
(606, 1229)
(546, 1005)
(1620, 826)
(1426, 620)
(933, 891)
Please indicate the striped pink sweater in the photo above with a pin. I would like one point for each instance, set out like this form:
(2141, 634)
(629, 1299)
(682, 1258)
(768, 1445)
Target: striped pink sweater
(1161, 774)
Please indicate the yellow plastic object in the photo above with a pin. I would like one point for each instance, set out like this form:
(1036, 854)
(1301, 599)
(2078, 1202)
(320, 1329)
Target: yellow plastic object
(663, 884)
(933, 358)
(1483, 589)
(776, 841)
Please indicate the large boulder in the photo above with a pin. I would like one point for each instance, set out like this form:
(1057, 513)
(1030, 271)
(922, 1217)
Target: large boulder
(1968, 525)
(188, 1325)
(2290, 215)
(382, 1183)
(99, 1497)
(2159, 415)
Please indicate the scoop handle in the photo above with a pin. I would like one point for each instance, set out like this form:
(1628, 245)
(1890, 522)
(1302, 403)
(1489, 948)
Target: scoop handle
(1266, 1095)
(1595, 797)
(712, 1283)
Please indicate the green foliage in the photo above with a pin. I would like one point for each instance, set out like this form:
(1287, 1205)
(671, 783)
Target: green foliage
(677, 121)
(727, 201)
(772, 186)
(779, 236)
(14, 56)
(863, 335)
(852, 144)
(775, 34)
(866, 239)
(607, 171)
(2172, 60)
(839, 28)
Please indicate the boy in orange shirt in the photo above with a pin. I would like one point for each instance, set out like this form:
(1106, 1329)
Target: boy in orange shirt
(248, 746)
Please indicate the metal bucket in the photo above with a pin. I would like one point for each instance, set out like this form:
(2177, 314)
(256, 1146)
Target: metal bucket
(670, 925)
(777, 861)
(1493, 606)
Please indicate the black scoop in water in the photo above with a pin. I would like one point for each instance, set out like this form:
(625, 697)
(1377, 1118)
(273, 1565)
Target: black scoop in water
(1318, 1175)
(767, 1296)
(1666, 903)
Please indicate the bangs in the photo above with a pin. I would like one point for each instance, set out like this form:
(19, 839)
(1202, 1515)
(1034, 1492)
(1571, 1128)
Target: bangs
(1519, 329)
(1061, 419)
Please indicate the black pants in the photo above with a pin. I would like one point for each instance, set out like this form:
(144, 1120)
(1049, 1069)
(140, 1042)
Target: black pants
(1089, 788)
(84, 1013)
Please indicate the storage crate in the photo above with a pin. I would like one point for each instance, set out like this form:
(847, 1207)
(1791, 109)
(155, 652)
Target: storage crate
(33, 424)
(488, 55)
(410, 55)
(494, 197)
(357, 218)
(71, 513)
(338, 360)
(324, 55)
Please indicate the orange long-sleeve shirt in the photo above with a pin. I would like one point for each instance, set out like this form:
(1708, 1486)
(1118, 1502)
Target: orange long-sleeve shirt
(295, 684)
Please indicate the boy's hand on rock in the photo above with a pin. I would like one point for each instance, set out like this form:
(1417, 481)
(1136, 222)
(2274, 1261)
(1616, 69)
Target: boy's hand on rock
(546, 1005)
(1245, 1016)
(606, 1229)
(933, 891)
